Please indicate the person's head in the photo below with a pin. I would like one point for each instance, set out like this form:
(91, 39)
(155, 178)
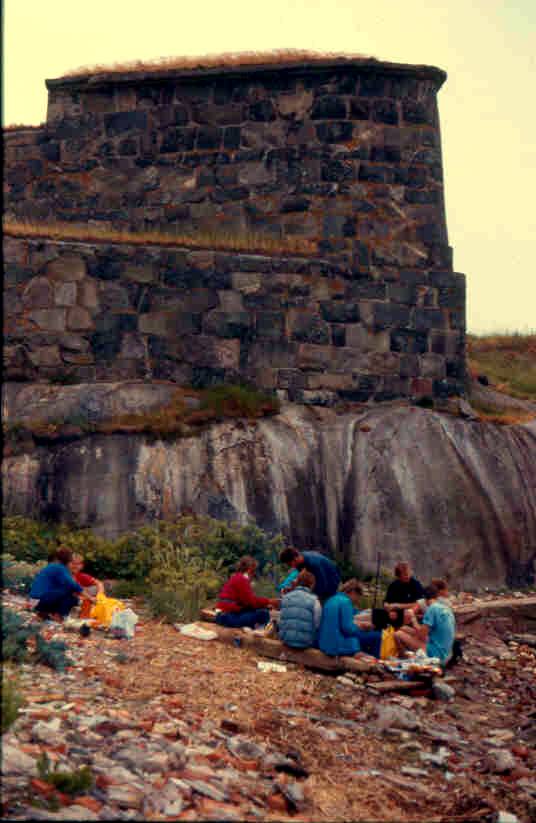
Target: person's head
(403, 571)
(247, 565)
(353, 589)
(291, 557)
(77, 563)
(430, 594)
(441, 586)
(52, 556)
(306, 579)
(64, 556)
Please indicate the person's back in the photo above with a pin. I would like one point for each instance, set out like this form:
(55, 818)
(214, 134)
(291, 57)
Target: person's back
(338, 635)
(441, 622)
(300, 616)
(325, 571)
(53, 578)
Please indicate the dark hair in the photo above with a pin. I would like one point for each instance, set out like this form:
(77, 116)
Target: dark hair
(64, 555)
(399, 566)
(352, 585)
(288, 555)
(430, 592)
(245, 563)
(439, 583)
(52, 556)
(306, 579)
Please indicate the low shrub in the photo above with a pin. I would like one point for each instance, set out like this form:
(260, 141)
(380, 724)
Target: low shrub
(26, 539)
(176, 605)
(12, 699)
(16, 632)
(72, 783)
(18, 576)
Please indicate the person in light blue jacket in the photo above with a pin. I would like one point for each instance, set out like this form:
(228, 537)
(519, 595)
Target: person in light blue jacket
(338, 635)
(301, 613)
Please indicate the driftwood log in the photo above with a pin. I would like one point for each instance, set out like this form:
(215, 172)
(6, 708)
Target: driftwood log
(276, 650)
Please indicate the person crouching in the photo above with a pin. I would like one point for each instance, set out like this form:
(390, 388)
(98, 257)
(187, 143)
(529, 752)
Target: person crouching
(301, 613)
(54, 587)
(239, 607)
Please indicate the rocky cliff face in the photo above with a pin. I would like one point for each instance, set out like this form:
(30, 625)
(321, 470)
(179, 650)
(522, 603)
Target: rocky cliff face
(455, 497)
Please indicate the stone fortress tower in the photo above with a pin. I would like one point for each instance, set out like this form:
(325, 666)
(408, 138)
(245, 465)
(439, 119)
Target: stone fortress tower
(335, 163)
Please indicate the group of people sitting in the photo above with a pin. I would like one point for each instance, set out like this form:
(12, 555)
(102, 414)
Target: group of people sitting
(316, 611)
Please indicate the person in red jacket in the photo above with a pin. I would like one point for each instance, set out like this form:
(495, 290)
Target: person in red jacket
(90, 585)
(238, 604)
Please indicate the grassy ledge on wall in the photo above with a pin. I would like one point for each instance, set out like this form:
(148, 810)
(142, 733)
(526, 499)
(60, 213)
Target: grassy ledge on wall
(216, 61)
(507, 360)
(217, 241)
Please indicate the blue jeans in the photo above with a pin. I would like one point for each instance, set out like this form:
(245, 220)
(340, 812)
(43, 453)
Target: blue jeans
(238, 620)
(55, 603)
(370, 642)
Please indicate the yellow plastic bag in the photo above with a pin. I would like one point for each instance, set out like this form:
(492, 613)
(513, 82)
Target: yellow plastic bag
(104, 608)
(388, 647)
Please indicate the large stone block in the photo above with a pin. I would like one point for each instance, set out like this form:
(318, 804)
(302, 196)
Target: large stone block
(45, 356)
(79, 319)
(65, 294)
(307, 326)
(359, 336)
(38, 294)
(49, 319)
(68, 268)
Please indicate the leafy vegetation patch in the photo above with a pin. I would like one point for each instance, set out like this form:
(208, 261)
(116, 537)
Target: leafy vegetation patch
(189, 412)
(12, 699)
(72, 783)
(22, 641)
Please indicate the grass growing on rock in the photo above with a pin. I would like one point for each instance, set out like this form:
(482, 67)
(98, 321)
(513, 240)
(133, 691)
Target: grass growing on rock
(249, 242)
(507, 360)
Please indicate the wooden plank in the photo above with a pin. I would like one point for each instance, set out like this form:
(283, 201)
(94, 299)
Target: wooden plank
(276, 650)
(398, 685)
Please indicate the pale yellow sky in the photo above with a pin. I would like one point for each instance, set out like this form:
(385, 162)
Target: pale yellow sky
(488, 116)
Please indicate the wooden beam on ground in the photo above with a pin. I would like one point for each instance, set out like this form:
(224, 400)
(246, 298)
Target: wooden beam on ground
(522, 610)
(276, 650)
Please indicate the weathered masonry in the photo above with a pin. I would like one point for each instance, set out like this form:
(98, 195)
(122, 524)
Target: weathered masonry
(344, 155)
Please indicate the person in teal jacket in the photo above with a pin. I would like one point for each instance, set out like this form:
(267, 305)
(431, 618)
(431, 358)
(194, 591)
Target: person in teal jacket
(338, 635)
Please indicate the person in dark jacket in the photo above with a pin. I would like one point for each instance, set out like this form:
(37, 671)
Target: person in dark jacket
(55, 589)
(325, 571)
(405, 591)
(238, 605)
(300, 613)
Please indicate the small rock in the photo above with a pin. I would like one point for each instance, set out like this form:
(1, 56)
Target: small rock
(413, 771)
(173, 808)
(506, 817)
(127, 797)
(246, 749)
(329, 735)
(442, 690)
(207, 790)
(396, 717)
(15, 761)
(500, 761)
(439, 758)
(293, 793)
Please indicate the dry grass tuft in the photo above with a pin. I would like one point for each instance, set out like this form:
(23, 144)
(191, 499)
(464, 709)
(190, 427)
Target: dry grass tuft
(507, 360)
(22, 126)
(218, 241)
(224, 60)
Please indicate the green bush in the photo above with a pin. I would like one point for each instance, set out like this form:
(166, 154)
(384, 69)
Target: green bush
(176, 605)
(28, 540)
(19, 575)
(74, 782)
(16, 632)
(12, 699)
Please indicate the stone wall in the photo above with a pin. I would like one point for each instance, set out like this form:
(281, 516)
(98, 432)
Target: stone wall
(345, 155)
(315, 329)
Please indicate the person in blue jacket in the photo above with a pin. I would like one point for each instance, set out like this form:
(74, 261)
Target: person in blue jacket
(300, 614)
(325, 571)
(338, 635)
(55, 588)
